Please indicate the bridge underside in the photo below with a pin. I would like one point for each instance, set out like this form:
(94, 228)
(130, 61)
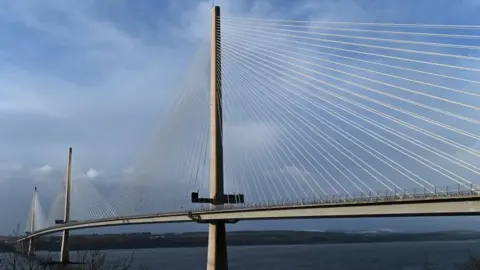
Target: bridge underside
(443, 206)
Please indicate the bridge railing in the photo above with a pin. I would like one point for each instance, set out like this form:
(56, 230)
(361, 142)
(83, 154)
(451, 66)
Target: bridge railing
(414, 194)
(355, 198)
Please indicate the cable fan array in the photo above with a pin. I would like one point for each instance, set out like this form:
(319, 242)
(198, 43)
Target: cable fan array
(345, 108)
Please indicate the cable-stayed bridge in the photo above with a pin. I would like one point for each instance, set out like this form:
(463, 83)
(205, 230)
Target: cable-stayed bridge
(300, 119)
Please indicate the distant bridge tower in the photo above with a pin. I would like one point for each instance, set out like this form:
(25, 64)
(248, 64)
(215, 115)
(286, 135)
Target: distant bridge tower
(32, 221)
(64, 250)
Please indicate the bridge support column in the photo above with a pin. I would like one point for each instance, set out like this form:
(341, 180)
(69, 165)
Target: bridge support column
(217, 239)
(64, 249)
(217, 246)
(30, 247)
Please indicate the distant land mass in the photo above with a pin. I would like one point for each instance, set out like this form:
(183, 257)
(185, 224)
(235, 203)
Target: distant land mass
(238, 238)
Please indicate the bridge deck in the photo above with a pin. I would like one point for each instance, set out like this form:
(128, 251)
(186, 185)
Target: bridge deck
(445, 204)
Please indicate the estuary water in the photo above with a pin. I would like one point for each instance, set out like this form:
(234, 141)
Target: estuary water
(391, 256)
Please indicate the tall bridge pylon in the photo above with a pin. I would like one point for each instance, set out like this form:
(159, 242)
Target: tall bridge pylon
(217, 239)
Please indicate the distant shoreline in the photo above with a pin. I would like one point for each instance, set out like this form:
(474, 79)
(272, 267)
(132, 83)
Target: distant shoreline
(239, 238)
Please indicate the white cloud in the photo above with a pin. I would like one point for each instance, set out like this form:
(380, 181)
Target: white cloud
(45, 169)
(46, 175)
(93, 174)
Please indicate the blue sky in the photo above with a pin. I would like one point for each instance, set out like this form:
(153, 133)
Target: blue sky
(96, 75)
